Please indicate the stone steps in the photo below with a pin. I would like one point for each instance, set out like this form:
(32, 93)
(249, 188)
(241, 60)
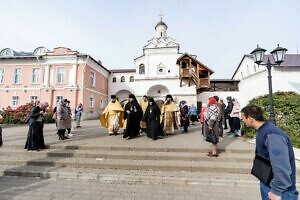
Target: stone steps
(133, 148)
(130, 155)
(102, 163)
(110, 175)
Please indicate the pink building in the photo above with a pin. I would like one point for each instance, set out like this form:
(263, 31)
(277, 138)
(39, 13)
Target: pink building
(51, 76)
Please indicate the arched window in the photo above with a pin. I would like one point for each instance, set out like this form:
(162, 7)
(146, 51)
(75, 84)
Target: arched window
(40, 51)
(7, 52)
(114, 79)
(142, 69)
(122, 78)
(131, 79)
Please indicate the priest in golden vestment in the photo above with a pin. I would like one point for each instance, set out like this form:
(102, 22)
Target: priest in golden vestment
(144, 105)
(112, 116)
(169, 119)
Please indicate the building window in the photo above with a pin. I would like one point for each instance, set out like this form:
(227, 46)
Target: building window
(33, 99)
(131, 79)
(91, 102)
(1, 75)
(114, 79)
(35, 75)
(101, 103)
(122, 78)
(254, 68)
(7, 52)
(161, 69)
(142, 69)
(93, 79)
(15, 101)
(59, 99)
(242, 75)
(60, 75)
(17, 75)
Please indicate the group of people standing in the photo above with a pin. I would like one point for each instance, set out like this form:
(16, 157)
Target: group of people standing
(62, 115)
(145, 116)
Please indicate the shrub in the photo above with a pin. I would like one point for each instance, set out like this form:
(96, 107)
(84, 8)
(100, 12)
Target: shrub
(18, 115)
(287, 113)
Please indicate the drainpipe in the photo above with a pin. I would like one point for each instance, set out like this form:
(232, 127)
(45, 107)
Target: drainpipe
(82, 88)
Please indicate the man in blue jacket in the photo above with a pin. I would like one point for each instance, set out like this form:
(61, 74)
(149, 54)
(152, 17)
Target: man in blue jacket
(274, 145)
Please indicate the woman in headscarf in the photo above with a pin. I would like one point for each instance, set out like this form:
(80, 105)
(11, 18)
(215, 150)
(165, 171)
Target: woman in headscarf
(133, 114)
(152, 119)
(62, 119)
(35, 138)
(235, 115)
(184, 116)
(211, 123)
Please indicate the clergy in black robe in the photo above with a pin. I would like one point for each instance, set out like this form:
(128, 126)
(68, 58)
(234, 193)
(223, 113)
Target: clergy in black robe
(35, 137)
(152, 119)
(133, 114)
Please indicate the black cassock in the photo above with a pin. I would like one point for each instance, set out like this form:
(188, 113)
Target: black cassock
(152, 119)
(133, 117)
(35, 137)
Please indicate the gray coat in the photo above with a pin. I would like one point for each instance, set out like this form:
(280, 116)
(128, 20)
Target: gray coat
(63, 117)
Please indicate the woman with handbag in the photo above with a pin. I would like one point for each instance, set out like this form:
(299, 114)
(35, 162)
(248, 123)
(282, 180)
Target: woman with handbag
(211, 126)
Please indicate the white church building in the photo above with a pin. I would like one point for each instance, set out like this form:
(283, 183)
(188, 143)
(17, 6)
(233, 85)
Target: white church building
(161, 70)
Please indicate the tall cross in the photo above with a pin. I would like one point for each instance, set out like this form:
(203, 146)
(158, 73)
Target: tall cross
(161, 16)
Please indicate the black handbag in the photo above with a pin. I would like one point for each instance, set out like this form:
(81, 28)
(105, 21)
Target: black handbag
(212, 137)
(262, 169)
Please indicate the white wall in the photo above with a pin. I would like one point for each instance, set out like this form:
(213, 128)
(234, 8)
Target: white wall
(255, 83)
(203, 97)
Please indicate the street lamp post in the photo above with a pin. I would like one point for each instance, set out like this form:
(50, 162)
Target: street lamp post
(278, 55)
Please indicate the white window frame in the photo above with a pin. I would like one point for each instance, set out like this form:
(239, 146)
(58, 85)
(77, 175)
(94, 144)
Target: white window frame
(131, 78)
(2, 73)
(141, 69)
(35, 76)
(58, 99)
(17, 77)
(15, 101)
(60, 75)
(161, 67)
(123, 79)
(92, 102)
(33, 98)
(93, 79)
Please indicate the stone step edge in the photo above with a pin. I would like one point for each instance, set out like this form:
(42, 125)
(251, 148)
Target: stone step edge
(139, 166)
(59, 155)
(124, 148)
(130, 178)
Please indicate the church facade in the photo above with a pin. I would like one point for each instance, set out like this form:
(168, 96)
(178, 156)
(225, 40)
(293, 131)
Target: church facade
(160, 70)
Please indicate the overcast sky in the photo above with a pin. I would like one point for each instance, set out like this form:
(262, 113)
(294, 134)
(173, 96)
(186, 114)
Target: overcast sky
(115, 31)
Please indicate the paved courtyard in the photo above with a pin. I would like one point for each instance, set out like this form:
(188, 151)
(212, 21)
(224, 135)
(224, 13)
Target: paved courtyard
(126, 186)
(45, 189)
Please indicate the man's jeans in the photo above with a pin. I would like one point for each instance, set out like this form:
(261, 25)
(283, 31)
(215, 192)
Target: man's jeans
(288, 195)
